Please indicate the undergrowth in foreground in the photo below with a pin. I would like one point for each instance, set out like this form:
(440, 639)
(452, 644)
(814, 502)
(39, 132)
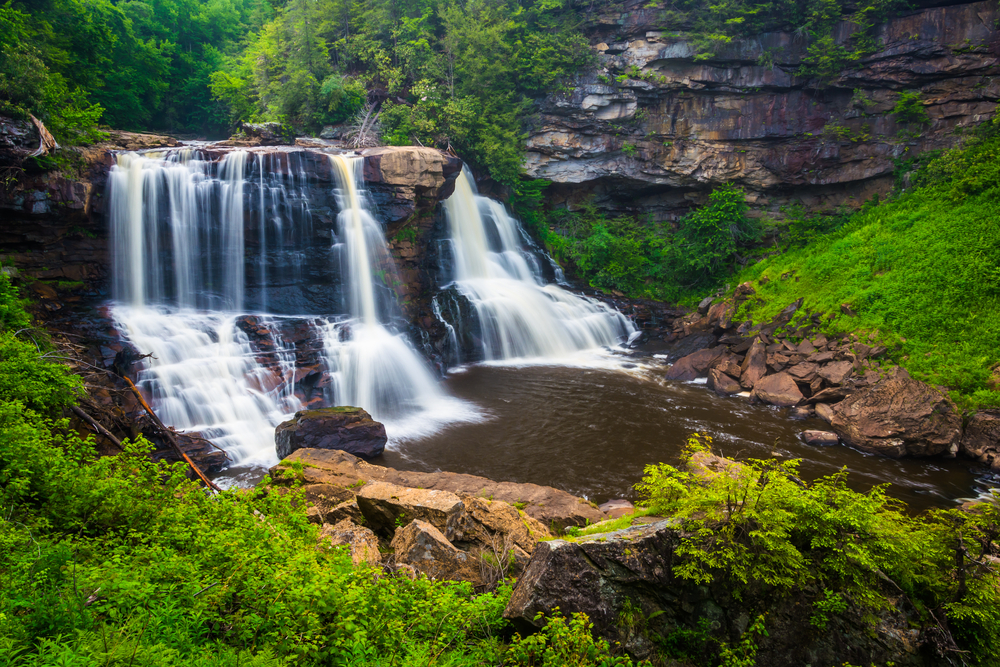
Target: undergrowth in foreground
(922, 270)
(758, 525)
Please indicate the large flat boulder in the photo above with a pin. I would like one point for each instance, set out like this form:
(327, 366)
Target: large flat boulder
(343, 428)
(899, 416)
(386, 506)
(722, 384)
(544, 503)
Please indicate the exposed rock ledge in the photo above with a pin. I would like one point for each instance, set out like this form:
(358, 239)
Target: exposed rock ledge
(544, 503)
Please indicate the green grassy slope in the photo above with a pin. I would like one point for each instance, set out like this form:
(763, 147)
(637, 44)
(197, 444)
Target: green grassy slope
(922, 270)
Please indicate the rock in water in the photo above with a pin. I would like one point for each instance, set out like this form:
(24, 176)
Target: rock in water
(343, 428)
(779, 389)
(820, 438)
(899, 416)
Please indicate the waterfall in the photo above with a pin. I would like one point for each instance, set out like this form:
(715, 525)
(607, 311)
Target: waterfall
(370, 366)
(190, 260)
(520, 317)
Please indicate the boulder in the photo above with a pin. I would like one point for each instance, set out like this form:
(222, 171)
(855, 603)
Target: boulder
(386, 506)
(631, 572)
(824, 412)
(837, 372)
(704, 305)
(695, 365)
(804, 372)
(617, 508)
(484, 519)
(548, 505)
(754, 366)
(981, 440)
(362, 542)
(730, 365)
(802, 412)
(899, 416)
(722, 384)
(830, 395)
(820, 438)
(343, 428)
(425, 548)
(267, 134)
(778, 389)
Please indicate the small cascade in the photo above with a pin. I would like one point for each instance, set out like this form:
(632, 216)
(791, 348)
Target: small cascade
(369, 365)
(519, 316)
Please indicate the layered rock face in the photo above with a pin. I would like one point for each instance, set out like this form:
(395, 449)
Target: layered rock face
(659, 143)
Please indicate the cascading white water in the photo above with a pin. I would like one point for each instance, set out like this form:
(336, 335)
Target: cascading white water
(520, 317)
(203, 375)
(370, 366)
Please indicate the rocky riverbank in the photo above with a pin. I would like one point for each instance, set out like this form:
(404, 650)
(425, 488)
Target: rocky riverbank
(849, 381)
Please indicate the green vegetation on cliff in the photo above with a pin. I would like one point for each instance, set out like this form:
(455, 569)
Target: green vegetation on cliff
(921, 269)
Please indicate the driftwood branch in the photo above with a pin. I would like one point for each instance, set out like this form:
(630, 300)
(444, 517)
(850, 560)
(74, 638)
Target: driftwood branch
(97, 427)
(171, 439)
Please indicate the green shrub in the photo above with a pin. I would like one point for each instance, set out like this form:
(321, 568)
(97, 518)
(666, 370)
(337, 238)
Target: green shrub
(758, 524)
(560, 643)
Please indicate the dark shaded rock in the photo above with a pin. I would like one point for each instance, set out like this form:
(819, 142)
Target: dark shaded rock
(21, 139)
(754, 366)
(722, 384)
(830, 395)
(694, 365)
(820, 438)
(605, 575)
(899, 416)
(802, 412)
(778, 389)
(981, 439)
(343, 428)
(704, 305)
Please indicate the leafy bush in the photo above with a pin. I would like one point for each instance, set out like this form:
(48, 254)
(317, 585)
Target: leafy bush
(758, 523)
(560, 643)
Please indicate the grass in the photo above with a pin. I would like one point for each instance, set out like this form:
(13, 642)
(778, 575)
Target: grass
(922, 272)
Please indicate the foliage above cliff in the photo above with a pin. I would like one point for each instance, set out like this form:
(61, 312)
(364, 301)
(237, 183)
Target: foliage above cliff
(921, 269)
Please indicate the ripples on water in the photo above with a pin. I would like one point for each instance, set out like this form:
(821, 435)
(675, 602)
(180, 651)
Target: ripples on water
(591, 430)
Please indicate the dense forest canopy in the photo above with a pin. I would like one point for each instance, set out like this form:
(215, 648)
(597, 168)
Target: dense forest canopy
(459, 74)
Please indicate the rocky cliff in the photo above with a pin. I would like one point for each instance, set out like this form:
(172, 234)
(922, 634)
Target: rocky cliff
(653, 130)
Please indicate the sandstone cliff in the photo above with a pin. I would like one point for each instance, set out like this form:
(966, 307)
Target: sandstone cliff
(659, 142)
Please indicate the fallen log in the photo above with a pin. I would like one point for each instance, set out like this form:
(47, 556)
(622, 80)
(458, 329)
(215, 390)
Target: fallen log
(97, 427)
(170, 438)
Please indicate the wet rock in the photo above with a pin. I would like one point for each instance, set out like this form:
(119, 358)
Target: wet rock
(778, 389)
(981, 439)
(386, 506)
(616, 508)
(544, 503)
(694, 365)
(342, 428)
(899, 416)
(422, 546)
(722, 384)
(802, 412)
(754, 366)
(820, 438)
(362, 542)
